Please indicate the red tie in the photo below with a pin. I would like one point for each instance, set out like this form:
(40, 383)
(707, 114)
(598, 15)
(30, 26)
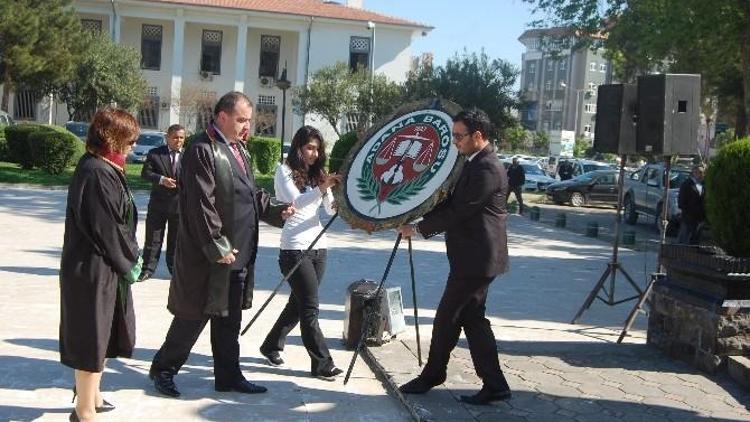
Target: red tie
(238, 155)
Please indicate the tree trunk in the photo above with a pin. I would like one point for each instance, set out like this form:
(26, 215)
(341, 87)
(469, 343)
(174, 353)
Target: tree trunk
(7, 86)
(745, 54)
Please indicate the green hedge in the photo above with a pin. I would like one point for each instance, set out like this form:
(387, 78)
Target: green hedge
(340, 151)
(265, 152)
(55, 149)
(4, 156)
(19, 147)
(728, 198)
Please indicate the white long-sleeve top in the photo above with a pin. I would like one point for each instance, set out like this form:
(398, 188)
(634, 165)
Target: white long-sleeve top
(301, 228)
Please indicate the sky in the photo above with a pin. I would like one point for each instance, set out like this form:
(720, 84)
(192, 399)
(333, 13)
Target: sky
(494, 25)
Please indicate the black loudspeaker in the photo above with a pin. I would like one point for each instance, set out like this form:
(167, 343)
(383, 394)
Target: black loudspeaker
(615, 111)
(668, 114)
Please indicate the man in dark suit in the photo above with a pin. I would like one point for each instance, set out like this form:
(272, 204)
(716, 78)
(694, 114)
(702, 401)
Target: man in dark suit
(216, 249)
(691, 200)
(161, 169)
(473, 218)
(516, 179)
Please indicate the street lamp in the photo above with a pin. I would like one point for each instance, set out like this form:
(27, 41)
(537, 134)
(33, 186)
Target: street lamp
(283, 84)
(371, 27)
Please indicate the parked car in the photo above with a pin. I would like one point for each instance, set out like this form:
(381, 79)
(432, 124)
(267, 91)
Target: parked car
(146, 141)
(536, 179)
(644, 194)
(79, 129)
(581, 166)
(5, 119)
(594, 186)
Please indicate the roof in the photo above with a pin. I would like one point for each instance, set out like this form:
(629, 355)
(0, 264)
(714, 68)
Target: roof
(316, 8)
(558, 32)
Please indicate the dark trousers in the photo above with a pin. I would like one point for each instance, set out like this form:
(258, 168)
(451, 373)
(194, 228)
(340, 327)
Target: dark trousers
(225, 346)
(518, 192)
(302, 308)
(463, 306)
(157, 223)
(689, 233)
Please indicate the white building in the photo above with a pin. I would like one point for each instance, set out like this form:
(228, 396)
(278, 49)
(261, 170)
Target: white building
(195, 50)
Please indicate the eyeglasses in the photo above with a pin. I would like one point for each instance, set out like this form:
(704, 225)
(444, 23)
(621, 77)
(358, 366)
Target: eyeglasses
(460, 136)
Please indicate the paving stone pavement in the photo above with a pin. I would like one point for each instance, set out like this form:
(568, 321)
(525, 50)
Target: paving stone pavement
(558, 371)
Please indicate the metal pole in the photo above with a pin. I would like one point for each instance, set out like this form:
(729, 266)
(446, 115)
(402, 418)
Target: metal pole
(575, 121)
(289, 274)
(283, 123)
(414, 302)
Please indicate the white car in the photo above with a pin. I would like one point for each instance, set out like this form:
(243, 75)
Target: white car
(536, 179)
(146, 141)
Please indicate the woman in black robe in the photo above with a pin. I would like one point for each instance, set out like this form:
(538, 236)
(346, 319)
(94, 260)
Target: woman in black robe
(99, 260)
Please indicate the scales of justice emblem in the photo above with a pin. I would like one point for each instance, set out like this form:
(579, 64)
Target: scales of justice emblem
(400, 169)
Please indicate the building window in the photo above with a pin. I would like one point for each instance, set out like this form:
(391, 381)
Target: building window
(563, 65)
(550, 66)
(603, 67)
(265, 119)
(211, 51)
(589, 108)
(148, 112)
(25, 105)
(92, 25)
(548, 85)
(270, 48)
(151, 47)
(592, 66)
(532, 67)
(592, 89)
(359, 53)
(587, 129)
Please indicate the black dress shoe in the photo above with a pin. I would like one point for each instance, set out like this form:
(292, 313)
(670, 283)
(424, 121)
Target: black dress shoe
(73, 417)
(164, 383)
(416, 386)
(145, 275)
(485, 396)
(328, 374)
(243, 386)
(273, 358)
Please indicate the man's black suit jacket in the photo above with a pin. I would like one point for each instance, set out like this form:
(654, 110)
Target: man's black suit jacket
(691, 203)
(473, 218)
(159, 163)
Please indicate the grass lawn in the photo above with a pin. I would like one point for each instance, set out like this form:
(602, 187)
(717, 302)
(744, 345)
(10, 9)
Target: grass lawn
(12, 173)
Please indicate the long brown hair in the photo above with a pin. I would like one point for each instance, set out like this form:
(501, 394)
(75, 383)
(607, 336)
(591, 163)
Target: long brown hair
(302, 174)
(112, 129)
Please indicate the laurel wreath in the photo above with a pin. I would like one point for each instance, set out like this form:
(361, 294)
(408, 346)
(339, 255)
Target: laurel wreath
(367, 188)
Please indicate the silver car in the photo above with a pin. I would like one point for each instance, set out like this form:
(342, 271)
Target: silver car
(146, 141)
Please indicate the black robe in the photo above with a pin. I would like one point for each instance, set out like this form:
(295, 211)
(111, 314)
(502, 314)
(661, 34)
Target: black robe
(214, 219)
(99, 246)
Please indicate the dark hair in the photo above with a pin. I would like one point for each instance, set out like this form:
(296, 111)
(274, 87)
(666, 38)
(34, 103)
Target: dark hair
(475, 120)
(174, 128)
(228, 101)
(112, 129)
(301, 173)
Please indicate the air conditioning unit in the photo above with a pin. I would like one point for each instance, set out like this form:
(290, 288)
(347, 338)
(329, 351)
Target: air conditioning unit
(267, 82)
(206, 76)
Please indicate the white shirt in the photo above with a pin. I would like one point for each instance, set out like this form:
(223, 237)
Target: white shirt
(304, 226)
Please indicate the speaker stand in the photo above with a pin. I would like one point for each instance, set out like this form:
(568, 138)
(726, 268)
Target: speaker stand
(659, 274)
(613, 266)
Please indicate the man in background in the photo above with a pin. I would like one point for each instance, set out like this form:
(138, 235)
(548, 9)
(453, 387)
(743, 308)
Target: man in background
(516, 179)
(161, 169)
(691, 201)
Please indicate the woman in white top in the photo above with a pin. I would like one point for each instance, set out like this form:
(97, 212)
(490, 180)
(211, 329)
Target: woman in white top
(302, 182)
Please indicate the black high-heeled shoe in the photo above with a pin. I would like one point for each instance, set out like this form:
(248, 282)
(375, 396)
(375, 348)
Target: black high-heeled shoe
(105, 407)
(73, 417)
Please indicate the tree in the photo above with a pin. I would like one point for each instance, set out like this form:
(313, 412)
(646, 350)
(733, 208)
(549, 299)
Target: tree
(581, 146)
(470, 80)
(335, 91)
(105, 73)
(515, 138)
(39, 40)
(695, 36)
(194, 104)
(329, 94)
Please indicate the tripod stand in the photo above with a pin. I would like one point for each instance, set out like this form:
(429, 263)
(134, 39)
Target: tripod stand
(659, 274)
(614, 265)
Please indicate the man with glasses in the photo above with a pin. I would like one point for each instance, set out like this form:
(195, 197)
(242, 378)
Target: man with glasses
(473, 220)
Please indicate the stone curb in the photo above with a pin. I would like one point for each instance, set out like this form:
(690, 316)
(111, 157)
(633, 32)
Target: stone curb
(416, 412)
